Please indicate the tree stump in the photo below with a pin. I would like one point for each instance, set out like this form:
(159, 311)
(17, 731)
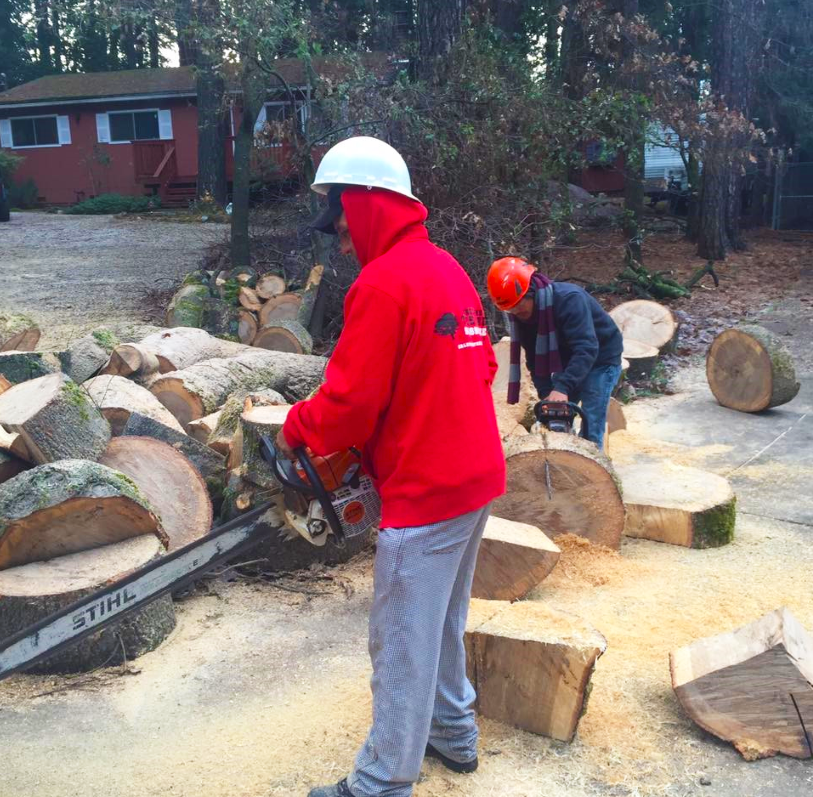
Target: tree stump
(513, 559)
(22, 366)
(281, 308)
(270, 285)
(677, 505)
(118, 398)
(750, 369)
(201, 389)
(30, 593)
(562, 484)
(254, 423)
(247, 326)
(56, 419)
(70, 506)
(648, 322)
(187, 307)
(642, 359)
(169, 481)
(531, 666)
(751, 687)
(18, 333)
(288, 336)
(86, 356)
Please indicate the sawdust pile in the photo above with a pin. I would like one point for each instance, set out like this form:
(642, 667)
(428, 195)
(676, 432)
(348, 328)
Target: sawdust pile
(630, 445)
(586, 564)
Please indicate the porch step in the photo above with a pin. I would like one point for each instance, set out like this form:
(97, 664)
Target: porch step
(180, 192)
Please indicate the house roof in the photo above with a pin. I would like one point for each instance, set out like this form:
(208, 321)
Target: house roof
(164, 82)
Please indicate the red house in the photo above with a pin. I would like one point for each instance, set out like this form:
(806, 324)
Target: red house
(135, 132)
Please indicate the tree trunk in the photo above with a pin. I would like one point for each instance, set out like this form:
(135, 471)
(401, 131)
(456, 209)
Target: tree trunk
(154, 44)
(43, 36)
(439, 28)
(712, 238)
(552, 25)
(176, 349)
(187, 43)
(20, 366)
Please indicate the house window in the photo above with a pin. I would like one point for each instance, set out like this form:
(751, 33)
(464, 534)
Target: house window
(134, 126)
(39, 131)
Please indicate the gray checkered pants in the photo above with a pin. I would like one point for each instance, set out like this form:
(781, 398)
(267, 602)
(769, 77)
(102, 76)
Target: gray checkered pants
(423, 578)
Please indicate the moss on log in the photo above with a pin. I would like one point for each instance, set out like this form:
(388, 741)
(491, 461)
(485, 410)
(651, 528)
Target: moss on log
(187, 307)
(21, 366)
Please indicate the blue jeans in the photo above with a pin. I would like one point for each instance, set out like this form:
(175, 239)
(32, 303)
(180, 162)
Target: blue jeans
(594, 395)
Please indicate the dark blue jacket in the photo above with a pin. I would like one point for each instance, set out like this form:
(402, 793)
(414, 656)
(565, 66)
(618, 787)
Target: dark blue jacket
(587, 337)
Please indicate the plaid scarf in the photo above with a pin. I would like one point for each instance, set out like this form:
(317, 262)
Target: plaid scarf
(547, 360)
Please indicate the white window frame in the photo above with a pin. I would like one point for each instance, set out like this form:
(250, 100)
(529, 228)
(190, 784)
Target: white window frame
(303, 111)
(134, 140)
(53, 116)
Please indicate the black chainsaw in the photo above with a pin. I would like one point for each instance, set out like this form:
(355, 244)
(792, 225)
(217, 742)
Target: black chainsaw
(559, 416)
(320, 496)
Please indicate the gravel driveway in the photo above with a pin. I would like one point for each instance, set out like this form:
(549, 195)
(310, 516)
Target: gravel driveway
(75, 273)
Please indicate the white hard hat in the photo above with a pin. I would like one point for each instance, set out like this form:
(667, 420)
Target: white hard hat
(363, 160)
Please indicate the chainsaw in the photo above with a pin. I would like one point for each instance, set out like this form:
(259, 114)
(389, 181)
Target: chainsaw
(558, 416)
(321, 496)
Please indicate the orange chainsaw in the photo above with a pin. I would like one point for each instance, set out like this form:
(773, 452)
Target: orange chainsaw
(325, 495)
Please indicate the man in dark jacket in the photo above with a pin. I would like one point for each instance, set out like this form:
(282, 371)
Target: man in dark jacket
(572, 346)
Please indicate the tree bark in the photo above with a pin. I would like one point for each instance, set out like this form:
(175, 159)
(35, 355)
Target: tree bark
(187, 45)
(439, 27)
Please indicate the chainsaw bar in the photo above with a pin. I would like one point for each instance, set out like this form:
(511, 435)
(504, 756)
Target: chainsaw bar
(167, 574)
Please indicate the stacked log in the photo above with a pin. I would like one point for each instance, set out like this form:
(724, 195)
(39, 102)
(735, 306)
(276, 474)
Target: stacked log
(18, 333)
(86, 356)
(118, 398)
(22, 366)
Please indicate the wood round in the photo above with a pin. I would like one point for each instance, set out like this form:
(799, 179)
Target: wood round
(280, 308)
(270, 285)
(247, 326)
(584, 497)
(646, 321)
(738, 368)
(169, 481)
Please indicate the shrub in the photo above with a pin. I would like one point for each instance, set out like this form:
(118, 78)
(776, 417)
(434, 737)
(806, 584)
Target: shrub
(116, 203)
(8, 163)
(23, 195)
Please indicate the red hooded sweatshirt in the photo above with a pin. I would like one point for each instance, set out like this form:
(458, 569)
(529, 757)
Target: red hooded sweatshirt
(410, 378)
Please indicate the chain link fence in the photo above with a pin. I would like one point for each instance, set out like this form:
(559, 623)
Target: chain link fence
(793, 197)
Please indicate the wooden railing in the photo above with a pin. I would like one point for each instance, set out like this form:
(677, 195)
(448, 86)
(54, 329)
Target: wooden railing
(151, 159)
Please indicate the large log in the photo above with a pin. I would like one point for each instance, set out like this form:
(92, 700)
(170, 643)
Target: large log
(10, 466)
(70, 506)
(750, 369)
(169, 481)
(678, 505)
(309, 294)
(21, 366)
(563, 485)
(228, 424)
(181, 348)
(202, 429)
(288, 336)
(752, 687)
(531, 666)
(642, 358)
(29, 593)
(118, 398)
(202, 388)
(513, 559)
(87, 355)
(220, 317)
(130, 359)
(647, 322)
(280, 308)
(18, 333)
(254, 423)
(56, 419)
(187, 307)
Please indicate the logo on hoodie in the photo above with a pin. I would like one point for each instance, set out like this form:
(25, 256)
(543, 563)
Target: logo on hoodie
(447, 324)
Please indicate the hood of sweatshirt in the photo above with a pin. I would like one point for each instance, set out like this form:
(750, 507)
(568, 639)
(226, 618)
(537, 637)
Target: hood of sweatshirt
(379, 219)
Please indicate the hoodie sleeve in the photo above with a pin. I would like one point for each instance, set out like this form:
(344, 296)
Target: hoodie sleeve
(574, 323)
(358, 380)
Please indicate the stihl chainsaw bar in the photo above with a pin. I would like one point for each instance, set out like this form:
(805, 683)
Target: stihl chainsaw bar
(167, 574)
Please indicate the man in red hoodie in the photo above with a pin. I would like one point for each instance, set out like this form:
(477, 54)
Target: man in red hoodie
(409, 383)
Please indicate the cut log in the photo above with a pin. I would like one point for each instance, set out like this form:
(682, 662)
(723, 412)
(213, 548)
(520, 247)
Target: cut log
(245, 276)
(228, 423)
(130, 359)
(309, 294)
(288, 336)
(254, 423)
(563, 485)
(750, 369)
(202, 429)
(270, 285)
(221, 318)
(10, 466)
(531, 666)
(21, 366)
(202, 388)
(247, 326)
(118, 398)
(186, 307)
(70, 506)
(641, 357)
(249, 299)
(18, 333)
(169, 481)
(4, 384)
(615, 416)
(56, 419)
(751, 687)
(280, 308)
(14, 444)
(509, 415)
(513, 559)
(177, 349)
(30, 593)
(647, 322)
(681, 506)
(86, 356)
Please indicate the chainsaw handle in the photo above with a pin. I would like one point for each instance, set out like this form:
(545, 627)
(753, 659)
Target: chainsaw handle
(585, 427)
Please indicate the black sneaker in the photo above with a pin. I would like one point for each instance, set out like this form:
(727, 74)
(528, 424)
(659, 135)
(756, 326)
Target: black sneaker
(339, 790)
(461, 767)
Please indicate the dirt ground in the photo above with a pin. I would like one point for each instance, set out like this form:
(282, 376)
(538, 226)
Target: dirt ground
(263, 688)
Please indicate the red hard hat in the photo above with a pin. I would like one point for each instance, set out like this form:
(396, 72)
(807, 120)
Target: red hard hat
(508, 281)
